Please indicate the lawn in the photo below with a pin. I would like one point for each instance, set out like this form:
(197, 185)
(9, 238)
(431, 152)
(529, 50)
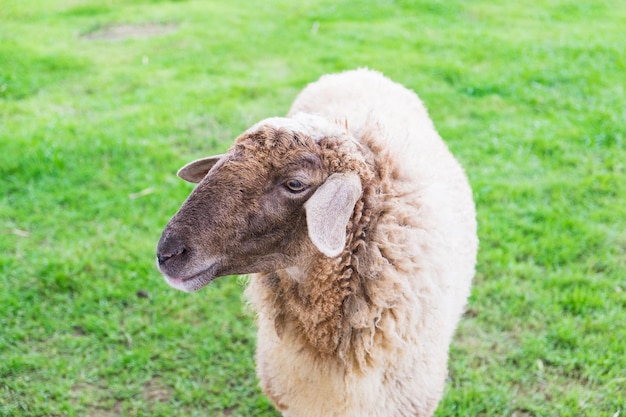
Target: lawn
(101, 101)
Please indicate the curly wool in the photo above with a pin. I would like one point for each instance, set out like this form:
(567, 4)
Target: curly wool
(317, 307)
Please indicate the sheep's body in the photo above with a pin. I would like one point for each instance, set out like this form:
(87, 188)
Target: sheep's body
(367, 334)
(353, 324)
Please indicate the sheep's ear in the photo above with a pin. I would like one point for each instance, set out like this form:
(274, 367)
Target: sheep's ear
(328, 211)
(196, 170)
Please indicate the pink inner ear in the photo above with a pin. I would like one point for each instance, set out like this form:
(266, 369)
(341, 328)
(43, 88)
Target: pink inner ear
(196, 170)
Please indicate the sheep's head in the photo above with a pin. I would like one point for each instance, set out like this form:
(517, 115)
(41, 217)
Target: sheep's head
(277, 198)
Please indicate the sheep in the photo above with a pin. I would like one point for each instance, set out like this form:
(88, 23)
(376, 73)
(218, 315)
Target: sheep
(359, 228)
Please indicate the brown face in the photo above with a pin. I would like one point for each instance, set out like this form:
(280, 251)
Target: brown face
(246, 215)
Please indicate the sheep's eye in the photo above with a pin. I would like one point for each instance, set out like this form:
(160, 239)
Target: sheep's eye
(294, 186)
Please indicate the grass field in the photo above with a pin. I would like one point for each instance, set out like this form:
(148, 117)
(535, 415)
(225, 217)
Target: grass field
(101, 101)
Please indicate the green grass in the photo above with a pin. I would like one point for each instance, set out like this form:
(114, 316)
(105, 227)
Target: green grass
(530, 97)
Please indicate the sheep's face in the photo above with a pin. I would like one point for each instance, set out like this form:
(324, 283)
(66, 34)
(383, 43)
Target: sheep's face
(250, 210)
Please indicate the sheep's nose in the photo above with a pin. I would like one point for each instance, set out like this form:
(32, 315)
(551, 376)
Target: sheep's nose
(169, 250)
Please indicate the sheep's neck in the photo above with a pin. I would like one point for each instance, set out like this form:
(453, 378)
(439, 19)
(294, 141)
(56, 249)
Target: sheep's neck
(316, 307)
(313, 307)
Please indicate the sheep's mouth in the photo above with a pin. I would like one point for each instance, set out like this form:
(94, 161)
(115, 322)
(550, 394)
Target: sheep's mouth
(194, 282)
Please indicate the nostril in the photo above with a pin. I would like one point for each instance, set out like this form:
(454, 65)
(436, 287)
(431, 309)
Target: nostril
(169, 248)
(163, 257)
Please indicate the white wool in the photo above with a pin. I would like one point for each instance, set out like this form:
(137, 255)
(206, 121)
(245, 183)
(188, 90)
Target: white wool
(406, 375)
(314, 126)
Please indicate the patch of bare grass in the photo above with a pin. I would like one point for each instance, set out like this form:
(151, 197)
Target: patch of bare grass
(121, 32)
